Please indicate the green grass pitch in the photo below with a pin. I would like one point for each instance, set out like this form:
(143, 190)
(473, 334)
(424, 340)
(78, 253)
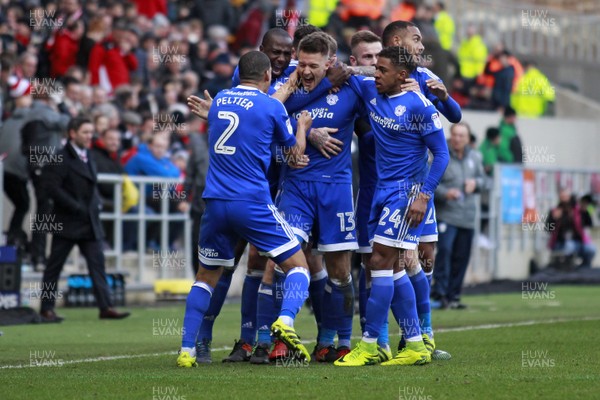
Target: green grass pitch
(504, 346)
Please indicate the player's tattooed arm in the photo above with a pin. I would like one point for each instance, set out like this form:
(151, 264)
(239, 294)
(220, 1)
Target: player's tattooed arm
(296, 157)
(362, 70)
(200, 106)
(321, 140)
(337, 75)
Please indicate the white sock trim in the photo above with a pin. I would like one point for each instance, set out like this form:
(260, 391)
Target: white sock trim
(205, 286)
(414, 271)
(299, 270)
(414, 339)
(428, 273)
(382, 273)
(369, 340)
(191, 350)
(322, 274)
(399, 275)
(344, 282)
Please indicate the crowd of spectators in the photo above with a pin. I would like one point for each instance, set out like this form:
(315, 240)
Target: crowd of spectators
(130, 66)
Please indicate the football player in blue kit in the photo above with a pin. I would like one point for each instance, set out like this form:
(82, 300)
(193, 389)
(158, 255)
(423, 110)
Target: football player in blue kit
(238, 201)
(319, 197)
(404, 187)
(407, 35)
(277, 45)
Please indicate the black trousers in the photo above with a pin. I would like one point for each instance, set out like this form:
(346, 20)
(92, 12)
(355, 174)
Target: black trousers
(94, 257)
(43, 207)
(16, 190)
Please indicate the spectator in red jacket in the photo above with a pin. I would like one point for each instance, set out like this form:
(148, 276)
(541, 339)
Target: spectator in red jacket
(112, 60)
(150, 8)
(63, 53)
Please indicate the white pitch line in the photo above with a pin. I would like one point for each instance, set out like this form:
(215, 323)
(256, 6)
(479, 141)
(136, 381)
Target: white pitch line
(513, 324)
(442, 330)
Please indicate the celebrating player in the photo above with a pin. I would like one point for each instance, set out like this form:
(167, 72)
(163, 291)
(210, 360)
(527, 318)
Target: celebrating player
(318, 198)
(243, 123)
(400, 201)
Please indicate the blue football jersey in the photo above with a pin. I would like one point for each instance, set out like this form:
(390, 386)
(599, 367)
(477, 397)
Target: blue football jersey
(366, 159)
(399, 123)
(334, 110)
(276, 82)
(243, 123)
(421, 75)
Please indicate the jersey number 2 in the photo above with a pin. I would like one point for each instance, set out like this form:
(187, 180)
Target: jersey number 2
(234, 122)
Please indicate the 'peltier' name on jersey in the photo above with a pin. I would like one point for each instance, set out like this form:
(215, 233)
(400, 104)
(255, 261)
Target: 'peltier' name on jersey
(234, 100)
(315, 113)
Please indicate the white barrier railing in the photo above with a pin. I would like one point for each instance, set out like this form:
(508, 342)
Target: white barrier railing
(164, 217)
(529, 236)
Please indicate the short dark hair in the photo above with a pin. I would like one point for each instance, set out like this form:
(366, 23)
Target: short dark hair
(77, 122)
(363, 37)
(509, 112)
(253, 65)
(272, 34)
(69, 80)
(315, 43)
(400, 57)
(394, 28)
(333, 46)
(492, 133)
(303, 31)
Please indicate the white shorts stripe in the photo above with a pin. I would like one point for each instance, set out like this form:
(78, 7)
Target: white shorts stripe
(285, 226)
(394, 243)
(428, 238)
(301, 233)
(281, 249)
(216, 261)
(325, 248)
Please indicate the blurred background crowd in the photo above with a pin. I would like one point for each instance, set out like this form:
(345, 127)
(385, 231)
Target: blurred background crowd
(130, 65)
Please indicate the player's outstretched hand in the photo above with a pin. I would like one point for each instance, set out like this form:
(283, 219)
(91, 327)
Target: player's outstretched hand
(321, 140)
(200, 106)
(437, 88)
(417, 209)
(410, 85)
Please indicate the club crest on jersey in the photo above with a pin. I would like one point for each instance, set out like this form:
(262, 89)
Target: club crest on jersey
(435, 118)
(399, 110)
(373, 101)
(332, 99)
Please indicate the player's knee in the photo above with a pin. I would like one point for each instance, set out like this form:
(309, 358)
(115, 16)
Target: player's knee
(209, 276)
(427, 265)
(295, 260)
(339, 273)
(380, 261)
(256, 262)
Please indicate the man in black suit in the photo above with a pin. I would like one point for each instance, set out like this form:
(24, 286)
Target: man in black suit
(71, 184)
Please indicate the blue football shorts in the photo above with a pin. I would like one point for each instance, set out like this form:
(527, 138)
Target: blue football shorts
(320, 207)
(224, 222)
(388, 224)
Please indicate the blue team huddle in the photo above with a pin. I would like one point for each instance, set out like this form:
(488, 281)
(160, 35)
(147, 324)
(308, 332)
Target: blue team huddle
(280, 179)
